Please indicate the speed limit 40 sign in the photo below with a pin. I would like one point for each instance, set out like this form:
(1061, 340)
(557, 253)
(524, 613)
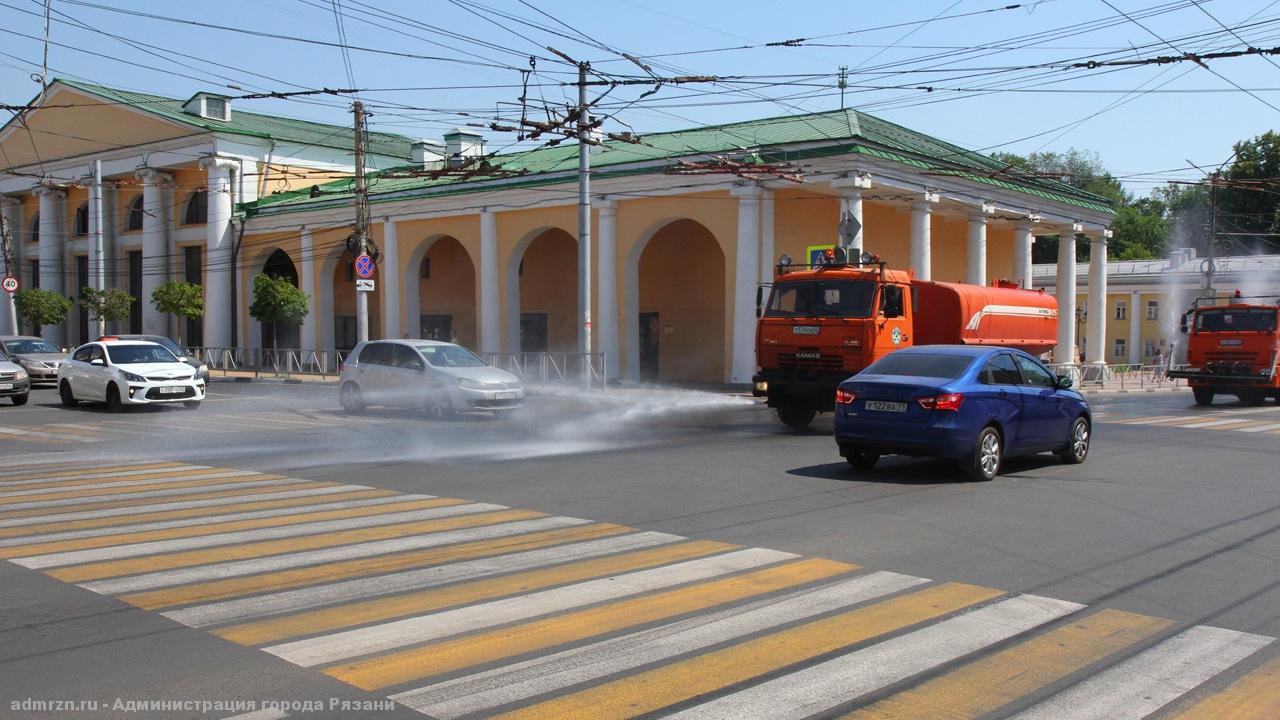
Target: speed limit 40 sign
(10, 284)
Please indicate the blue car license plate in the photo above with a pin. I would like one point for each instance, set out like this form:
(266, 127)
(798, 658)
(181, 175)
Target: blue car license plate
(882, 406)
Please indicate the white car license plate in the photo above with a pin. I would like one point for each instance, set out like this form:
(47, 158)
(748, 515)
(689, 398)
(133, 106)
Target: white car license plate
(883, 406)
(176, 390)
(6, 386)
(504, 396)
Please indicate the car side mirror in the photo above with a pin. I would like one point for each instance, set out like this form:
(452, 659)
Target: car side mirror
(1183, 325)
(183, 358)
(1064, 382)
(97, 361)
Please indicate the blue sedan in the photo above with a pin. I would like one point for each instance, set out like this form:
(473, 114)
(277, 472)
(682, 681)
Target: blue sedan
(975, 405)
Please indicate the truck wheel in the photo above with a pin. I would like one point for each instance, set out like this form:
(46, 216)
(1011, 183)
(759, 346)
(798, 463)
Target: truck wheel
(861, 459)
(1203, 396)
(796, 417)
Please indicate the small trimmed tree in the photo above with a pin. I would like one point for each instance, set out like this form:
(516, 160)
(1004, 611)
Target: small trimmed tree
(180, 298)
(42, 307)
(275, 301)
(111, 305)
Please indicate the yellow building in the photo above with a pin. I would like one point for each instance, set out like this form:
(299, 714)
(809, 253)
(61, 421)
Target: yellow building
(493, 260)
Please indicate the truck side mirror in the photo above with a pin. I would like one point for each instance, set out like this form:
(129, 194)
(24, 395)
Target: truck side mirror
(1183, 324)
(759, 299)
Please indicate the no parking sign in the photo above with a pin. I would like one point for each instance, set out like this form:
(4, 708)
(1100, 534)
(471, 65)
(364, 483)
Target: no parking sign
(364, 266)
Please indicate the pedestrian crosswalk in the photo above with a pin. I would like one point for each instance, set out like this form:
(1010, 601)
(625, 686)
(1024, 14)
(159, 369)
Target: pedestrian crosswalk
(462, 609)
(125, 427)
(1258, 420)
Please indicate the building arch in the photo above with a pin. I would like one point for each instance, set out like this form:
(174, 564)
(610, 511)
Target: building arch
(542, 292)
(275, 262)
(676, 274)
(134, 214)
(197, 211)
(81, 225)
(441, 304)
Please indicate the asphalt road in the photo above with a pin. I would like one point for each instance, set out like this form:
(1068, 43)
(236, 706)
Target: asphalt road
(1175, 516)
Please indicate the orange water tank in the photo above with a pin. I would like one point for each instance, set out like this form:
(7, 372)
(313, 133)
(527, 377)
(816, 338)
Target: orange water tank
(952, 314)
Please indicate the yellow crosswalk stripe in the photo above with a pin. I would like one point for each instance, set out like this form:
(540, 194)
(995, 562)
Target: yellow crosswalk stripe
(425, 661)
(159, 515)
(106, 492)
(63, 471)
(196, 494)
(360, 567)
(993, 682)
(328, 619)
(153, 563)
(174, 473)
(1255, 696)
(57, 546)
(680, 681)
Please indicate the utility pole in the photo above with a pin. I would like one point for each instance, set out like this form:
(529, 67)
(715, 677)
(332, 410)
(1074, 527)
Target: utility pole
(584, 221)
(362, 222)
(10, 269)
(842, 81)
(1213, 230)
(95, 228)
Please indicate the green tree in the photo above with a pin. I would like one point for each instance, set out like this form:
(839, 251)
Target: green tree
(111, 305)
(42, 307)
(1250, 203)
(275, 301)
(180, 298)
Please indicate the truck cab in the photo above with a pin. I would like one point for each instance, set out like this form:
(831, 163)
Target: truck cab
(1232, 348)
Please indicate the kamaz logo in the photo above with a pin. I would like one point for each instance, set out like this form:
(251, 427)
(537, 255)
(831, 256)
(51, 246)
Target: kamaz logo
(804, 329)
(809, 355)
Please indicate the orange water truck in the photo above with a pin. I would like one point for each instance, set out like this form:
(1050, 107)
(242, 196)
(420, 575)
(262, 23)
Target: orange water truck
(1233, 345)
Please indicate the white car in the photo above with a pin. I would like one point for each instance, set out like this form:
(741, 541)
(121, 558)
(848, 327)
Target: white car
(127, 372)
(440, 378)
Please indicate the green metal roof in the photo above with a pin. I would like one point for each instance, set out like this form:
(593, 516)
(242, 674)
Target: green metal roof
(852, 132)
(247, 123)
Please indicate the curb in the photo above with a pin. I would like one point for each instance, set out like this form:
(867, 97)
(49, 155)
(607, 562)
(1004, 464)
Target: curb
(1134, 391)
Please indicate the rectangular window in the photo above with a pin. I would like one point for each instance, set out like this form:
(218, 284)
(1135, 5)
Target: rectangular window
(193, 272)
(1149, 349)
(344, 331)
(35, 273)
(1121, 347)
(436, 327)
(82, 281)
(533, 332)
(135, 289)
(1153, 309)
(1122, 310)
(351, 271)
(425, 273)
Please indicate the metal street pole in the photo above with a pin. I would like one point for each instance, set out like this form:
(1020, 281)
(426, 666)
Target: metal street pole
(99, 274)
(584, 223)
(362, 222)
(10, 269)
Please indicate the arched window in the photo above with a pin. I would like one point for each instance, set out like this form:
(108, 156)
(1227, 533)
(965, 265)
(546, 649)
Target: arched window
(34, 235)
(133, 219)
(197, 208)
(82, 220)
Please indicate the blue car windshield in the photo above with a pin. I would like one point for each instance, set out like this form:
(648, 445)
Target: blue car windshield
(920, 365)
(139, 354)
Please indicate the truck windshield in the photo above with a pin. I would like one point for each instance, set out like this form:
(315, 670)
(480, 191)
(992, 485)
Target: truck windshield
(822, 298)
(1241, 320)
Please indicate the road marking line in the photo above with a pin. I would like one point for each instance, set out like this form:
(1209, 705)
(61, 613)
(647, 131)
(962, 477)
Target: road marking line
(1263, 428)
(1255, 696)
(396, 522)
(62, 471)
(152, 495)
(154, 563)
(268, 714)
(432, 600)
(1212, 423)
(118, 520)
(512, 683)
(141, 482)
(1146, 682)
(990, 683)
(77, 494)
(471, 650)
(1182, 419)
(498, 540)
(821, 687)
(1142, 420)
(392, 507)
(680, 681)
(45, 435)
(65, 429)
(299, 488)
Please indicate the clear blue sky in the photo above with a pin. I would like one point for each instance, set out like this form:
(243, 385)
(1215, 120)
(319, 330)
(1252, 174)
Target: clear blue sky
(1104, 110)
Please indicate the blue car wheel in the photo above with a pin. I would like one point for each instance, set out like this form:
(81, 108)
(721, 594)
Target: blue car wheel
(988, 452)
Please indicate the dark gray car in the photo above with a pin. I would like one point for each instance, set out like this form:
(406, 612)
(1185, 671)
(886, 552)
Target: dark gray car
(39, 357)
(202, 370)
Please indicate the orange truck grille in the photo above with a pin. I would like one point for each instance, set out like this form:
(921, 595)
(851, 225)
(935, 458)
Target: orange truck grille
(811, 360)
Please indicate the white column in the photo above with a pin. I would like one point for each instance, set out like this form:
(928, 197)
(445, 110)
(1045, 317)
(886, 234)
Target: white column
(324, 321)
(1023, 240)
(52, 243)
(220, 264)
(490, 318)
(1096, 323)
(390, 279)
(767, 260)
(851, 202)
(10, 208)
(976, 250)
(1135, 328)
(607, 286)
(155, 248)
(921, 243)
(307, 279)
(743, 364)
(1065, 290)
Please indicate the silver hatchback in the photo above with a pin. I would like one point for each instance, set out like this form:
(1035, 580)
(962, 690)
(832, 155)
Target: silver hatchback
(437, 377)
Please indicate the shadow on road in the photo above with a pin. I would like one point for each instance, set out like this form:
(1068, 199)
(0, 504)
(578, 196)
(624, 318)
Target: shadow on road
(915, 471)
